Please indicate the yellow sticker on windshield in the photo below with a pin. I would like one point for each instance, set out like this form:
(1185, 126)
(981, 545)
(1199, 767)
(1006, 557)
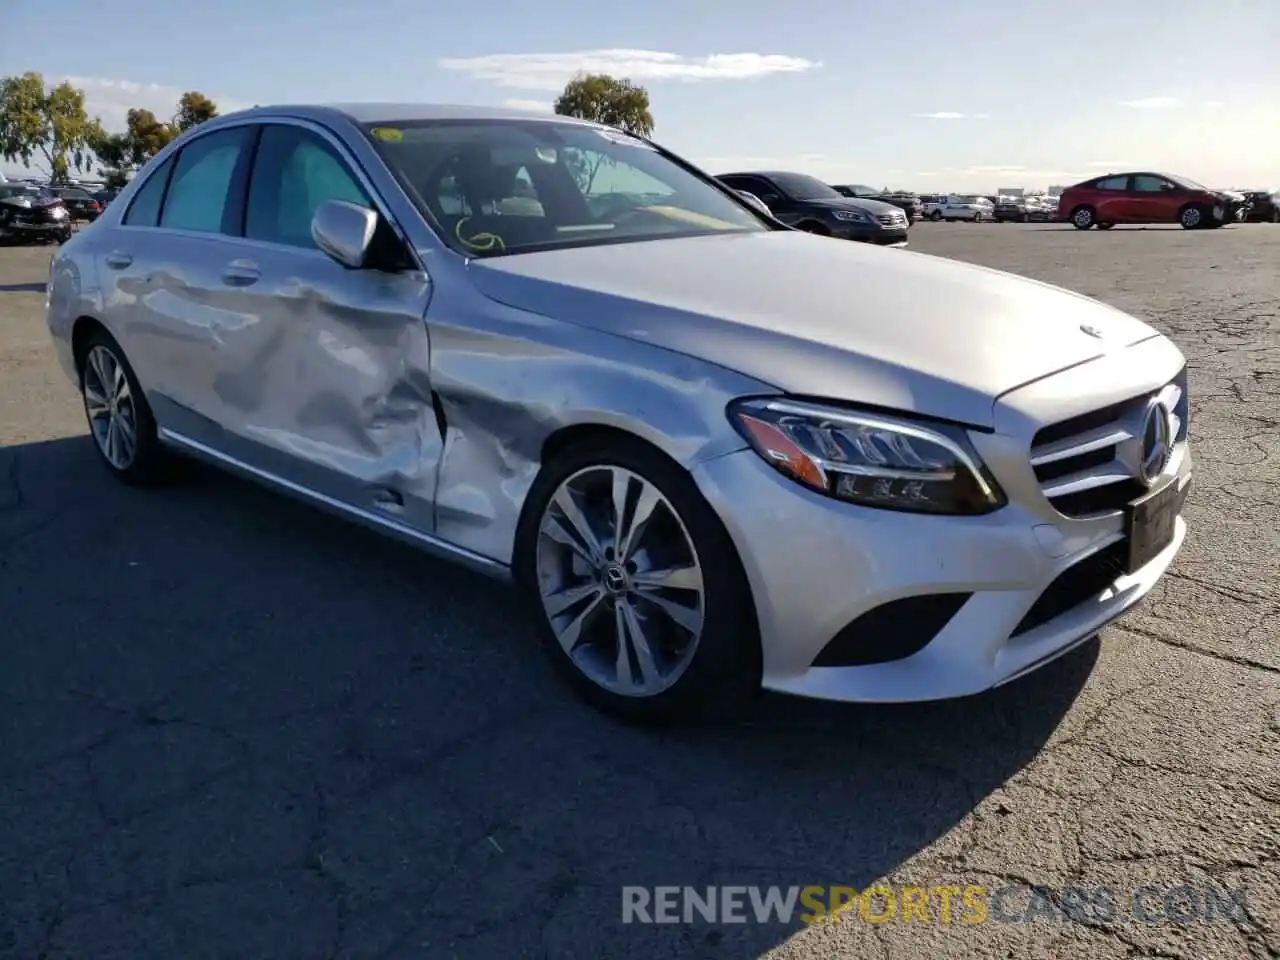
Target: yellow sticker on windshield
(388, 134)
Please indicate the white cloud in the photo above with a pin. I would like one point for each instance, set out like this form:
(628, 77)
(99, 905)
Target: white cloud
(1152, 103)
(1109, 164)
(111, 100)
(1214, 104)
(952, 115)
(536, 106)
(551, 71)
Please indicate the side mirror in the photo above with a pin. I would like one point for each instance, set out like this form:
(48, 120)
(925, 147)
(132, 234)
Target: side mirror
(755, 202)
(344, 231)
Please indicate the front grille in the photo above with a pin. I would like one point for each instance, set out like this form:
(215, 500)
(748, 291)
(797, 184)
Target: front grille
(1087, 465)
(890, 219)
(1079, 583)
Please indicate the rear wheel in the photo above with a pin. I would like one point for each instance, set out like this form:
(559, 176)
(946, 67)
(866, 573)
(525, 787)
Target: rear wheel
(1082, 218)
(935, 216)
(120, 419)
(641, 600)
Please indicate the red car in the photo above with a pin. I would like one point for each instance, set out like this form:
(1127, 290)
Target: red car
(1142, 198)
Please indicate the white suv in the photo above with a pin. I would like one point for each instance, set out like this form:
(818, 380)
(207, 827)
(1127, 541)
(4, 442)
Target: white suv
(959, 208)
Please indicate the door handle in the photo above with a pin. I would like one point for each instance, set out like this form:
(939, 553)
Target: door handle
(241, 273)
(118, 259)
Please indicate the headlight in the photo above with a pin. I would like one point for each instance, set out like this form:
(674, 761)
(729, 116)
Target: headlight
(58, 213)
(868, 459)
(856, 216)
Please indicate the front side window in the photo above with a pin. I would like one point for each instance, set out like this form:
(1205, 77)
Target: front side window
(144, 211)
(1146, 183)
(294, 172)
(498, 187)
(200, 188)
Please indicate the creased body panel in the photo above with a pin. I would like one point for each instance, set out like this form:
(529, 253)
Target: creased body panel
(508, 380)
(313, 373)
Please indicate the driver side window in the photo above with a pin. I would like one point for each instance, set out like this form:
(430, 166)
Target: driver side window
(1145, 183)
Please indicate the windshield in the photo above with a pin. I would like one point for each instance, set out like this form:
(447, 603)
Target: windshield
(970, 199)
(800, 186)
(1186, 184)
(511, 186)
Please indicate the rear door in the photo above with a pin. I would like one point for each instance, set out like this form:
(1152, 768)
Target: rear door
(1112, 200)
(322, 373)
(161, 271)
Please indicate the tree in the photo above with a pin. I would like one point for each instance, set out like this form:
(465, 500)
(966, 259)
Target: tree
(47, 126)
(604, 99)
(194, 108)
(601, 98)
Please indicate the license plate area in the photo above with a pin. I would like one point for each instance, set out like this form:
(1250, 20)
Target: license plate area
(1149, 525)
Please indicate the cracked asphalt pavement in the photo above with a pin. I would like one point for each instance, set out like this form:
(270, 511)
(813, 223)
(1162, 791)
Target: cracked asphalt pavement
(234, 727)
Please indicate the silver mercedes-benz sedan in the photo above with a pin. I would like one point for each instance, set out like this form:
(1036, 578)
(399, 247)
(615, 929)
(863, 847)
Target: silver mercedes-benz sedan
(718, 454)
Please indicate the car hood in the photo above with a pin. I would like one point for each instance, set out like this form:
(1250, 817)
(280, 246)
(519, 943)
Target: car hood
(819, 317)
(873, 207)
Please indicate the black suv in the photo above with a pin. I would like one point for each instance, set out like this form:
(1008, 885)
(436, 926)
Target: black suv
(806, 203)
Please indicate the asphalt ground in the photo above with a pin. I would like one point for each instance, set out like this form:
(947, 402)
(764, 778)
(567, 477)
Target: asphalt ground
(234, 727)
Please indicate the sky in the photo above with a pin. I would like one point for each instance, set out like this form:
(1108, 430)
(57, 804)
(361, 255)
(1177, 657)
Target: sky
(929, 95)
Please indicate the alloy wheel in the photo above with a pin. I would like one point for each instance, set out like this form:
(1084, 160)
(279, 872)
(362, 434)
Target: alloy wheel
(1084, 219)
(108, 401)
(1191, 217)
(620, 581)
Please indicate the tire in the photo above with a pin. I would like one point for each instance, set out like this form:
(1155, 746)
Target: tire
(110, 415)
(1082, 218)
(1192, 217)
(935, 216)
(1105, 226)
(711, 672)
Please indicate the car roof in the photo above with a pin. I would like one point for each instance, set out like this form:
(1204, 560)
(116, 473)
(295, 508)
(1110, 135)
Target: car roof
(766, 173)
(395, 112)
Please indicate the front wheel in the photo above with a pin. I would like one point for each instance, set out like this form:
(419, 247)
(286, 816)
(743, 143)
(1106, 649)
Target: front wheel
(1191, 217)
(639, 595)
(935, 216)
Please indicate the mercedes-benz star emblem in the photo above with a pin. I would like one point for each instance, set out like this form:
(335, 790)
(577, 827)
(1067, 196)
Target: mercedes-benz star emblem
(1091, 331)
(615, 578)
(1157, 443)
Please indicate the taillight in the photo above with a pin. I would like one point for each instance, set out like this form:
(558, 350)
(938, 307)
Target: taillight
(95, 206)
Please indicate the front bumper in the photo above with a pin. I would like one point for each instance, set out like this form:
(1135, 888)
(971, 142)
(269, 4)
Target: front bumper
(878, 235)
(817, 565)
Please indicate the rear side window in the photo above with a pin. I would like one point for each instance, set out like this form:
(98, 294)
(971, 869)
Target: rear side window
(202, 181)
(1112, 183)
(144, 211)
(295, 171)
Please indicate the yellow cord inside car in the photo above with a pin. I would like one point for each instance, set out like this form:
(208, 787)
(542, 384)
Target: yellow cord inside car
(480, 242)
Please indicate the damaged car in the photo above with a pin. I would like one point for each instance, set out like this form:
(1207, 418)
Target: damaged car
(715, 454)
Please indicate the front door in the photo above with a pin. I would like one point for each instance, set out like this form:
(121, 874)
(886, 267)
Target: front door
(1152, 199)
(327, 383)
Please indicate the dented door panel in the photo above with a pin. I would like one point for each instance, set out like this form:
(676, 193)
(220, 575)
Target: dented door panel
(324, 380)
